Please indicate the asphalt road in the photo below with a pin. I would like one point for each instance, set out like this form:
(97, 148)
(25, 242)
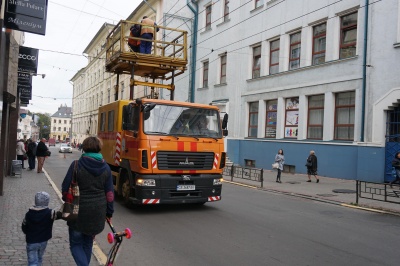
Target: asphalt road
(248, 227)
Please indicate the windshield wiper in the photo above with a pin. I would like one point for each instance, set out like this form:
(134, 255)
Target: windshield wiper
(205, 136)
(155, 132)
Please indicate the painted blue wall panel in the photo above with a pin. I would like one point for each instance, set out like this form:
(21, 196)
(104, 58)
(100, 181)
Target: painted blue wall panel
(334, 160)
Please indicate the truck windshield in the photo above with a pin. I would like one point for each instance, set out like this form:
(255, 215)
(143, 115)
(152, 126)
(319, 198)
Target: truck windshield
(183, 121)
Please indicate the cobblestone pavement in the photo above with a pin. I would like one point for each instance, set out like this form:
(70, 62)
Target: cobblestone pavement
(19, 194)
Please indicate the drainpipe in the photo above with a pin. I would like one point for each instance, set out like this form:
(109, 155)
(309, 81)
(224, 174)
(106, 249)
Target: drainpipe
(194, 48)
(364, 77)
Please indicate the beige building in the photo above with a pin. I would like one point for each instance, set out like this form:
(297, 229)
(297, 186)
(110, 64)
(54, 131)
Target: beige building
(60, 128)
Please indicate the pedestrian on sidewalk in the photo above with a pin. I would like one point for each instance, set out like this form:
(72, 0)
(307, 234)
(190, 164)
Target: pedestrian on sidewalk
(280, 159)
(312, 166)
(31, 153)
(96, 200)
(37, 226)
(396, 165)
(41, 154)
(21, 151)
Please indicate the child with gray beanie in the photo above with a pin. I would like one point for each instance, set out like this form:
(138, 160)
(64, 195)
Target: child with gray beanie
(37, 226)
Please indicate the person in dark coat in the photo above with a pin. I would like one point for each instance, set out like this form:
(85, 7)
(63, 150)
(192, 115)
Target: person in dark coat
(37, 226)
(31, 153)
(312, 166)
(133, 43)
(396, 165)
(41, 154)
(96, 200)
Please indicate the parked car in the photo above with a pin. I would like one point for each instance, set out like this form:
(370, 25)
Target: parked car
(65, 148)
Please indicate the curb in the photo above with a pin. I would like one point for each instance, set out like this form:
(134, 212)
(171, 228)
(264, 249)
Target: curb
(337, 203)
(96, 251)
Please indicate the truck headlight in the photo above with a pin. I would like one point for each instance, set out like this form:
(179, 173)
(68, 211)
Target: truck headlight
(146, 182)
(218, 181)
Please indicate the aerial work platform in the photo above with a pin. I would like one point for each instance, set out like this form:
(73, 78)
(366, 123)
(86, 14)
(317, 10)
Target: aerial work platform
(168, 57)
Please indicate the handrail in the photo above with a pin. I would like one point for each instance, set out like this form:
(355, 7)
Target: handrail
(117, 42)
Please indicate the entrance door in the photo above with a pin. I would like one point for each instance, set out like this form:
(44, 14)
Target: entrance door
(392, 140)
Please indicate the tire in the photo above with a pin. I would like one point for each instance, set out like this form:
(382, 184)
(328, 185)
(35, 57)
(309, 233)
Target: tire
(124, 191)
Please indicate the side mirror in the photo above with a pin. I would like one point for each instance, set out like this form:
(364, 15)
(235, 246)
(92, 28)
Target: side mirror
(225, 121)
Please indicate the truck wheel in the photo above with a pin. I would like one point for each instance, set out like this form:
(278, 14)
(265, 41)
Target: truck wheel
(126, 192)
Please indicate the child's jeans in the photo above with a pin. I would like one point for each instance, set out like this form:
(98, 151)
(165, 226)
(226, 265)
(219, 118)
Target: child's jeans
(35, 253)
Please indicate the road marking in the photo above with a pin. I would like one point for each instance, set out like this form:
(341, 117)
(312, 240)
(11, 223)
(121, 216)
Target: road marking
(368, 209)
(97, 252)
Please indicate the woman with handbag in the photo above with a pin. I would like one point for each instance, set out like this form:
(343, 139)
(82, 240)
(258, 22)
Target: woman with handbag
(21, 151)
(96, 197)
(280, 159)
(312, 166)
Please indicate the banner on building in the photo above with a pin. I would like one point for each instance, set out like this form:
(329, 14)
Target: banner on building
(27, 15)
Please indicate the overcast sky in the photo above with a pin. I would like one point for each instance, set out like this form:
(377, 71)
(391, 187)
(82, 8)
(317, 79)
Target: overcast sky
(69, 29)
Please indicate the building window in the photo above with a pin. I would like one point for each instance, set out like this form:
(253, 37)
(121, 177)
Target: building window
(65, 129)
(292, 117)
(208, 17)
(55, 121)
(344, 115)
(226, 10)
(348, 38)
(205, 74)
(65, 121)
(54, 129)
(319, 44)
(59, 129)
(256, 61)
(223, 69)
(294, 52)
(315, 125)
(108, 95)
(253, 119)
(59, 121)
(270, 124)
(274, 57)
(122, 90)
(258, 3)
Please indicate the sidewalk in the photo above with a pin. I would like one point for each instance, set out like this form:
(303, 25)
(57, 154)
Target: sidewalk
(296, 185)
(19, 195)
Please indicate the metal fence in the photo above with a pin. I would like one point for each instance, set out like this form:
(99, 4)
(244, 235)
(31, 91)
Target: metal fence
(249, 173)
(378, 191)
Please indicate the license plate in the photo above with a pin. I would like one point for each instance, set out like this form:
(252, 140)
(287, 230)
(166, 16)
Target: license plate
(185, 187)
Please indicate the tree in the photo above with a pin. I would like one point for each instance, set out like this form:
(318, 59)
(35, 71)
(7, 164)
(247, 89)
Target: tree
(44, 125)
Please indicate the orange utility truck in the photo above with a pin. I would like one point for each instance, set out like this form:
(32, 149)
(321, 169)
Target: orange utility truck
(159, 151)
(163, 151)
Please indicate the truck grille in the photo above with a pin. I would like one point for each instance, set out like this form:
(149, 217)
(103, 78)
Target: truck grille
(185, 160)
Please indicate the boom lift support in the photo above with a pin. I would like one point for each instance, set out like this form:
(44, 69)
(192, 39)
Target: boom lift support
(167, 60)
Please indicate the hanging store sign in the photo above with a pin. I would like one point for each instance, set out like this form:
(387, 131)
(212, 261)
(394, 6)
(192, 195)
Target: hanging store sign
(26, 15)
(28, 60)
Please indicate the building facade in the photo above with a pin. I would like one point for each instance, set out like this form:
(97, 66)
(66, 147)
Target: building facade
(60, 124)
(304, 75)
(10, 40)
(94, 87)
